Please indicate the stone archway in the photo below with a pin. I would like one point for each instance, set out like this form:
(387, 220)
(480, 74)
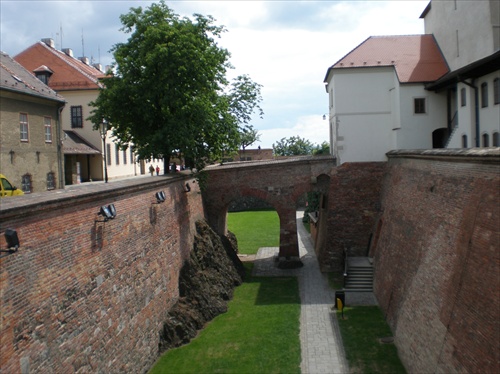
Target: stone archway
(279, 183)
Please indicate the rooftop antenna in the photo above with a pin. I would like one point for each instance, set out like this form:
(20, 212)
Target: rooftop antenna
(83, 46)
(60, 34)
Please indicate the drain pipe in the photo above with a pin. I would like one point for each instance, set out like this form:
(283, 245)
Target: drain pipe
(476, 102)
(60, 154)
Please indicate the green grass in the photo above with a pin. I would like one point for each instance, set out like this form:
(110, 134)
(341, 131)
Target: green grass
(361, 330)
(258, 334)
(254, 229)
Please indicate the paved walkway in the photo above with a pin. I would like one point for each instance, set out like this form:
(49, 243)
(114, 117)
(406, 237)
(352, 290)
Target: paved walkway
(321, 343)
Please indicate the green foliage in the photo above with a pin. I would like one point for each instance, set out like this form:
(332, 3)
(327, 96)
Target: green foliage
(293, 146)
(258, 334)
(248, 136)
(361, 330)
(321, 149)
(254, 229)
(169, 94)
(313, 200)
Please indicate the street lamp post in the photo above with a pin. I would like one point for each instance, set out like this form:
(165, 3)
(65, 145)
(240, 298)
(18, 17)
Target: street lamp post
(104, 131)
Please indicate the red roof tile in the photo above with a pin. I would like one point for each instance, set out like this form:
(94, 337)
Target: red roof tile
(416, 58)
(69, 73)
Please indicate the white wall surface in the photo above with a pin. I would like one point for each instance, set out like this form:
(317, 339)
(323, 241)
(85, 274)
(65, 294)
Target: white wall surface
(464, 29)
(416, 129)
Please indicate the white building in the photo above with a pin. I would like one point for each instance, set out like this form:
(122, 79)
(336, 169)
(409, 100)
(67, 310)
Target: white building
(400, 92)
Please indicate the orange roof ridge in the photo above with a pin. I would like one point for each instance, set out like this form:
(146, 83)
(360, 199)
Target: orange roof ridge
(416, 58)
(63, 56)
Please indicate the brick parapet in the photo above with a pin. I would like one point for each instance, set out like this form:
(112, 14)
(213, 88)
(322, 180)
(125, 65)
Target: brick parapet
(436, 259)
(87, 296)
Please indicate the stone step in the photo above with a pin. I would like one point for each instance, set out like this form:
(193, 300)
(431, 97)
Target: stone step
(358, 282)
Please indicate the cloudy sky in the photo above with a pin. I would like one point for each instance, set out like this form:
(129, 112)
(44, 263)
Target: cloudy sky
(287, 46)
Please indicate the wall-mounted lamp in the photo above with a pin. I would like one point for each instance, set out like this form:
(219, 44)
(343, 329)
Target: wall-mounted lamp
(12, 241)
(11, 153)
(188, 188)
(160, 197)
(108, 212)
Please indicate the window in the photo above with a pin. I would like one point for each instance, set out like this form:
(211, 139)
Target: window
(463, 97)
(464, 141)
(47, 122)
(43, 77)
(496, 139)
(484, 95)
(108, 153)
(486, 140)
(132, 157)
(23, 126)
(419, 105)
(26, 183)
(117, 154)
(496, 91)
(51, 180)
(76, 117)
(125, 157)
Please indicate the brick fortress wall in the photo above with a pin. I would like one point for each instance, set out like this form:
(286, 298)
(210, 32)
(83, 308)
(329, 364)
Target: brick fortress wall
(352, 207)
(436, 255)
(85, 296)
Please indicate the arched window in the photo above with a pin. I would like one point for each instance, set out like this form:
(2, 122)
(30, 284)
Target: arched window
(486, 140)
(496, 139)
(484, 95)
(464, 141)
(463, 97)
(496, 91)
(51, 180)
(26, 183)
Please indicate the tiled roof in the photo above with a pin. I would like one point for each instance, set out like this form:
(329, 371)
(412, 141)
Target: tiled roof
(69, 73)
(416, 58)
(74, 144)
(15, 78)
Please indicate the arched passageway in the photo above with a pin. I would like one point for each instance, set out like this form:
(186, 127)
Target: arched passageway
(280, 183)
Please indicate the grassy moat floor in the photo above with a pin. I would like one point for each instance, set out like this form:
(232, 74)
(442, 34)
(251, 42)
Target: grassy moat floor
(260, 331)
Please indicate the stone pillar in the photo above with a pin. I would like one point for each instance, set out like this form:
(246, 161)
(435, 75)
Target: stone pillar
(289, 256)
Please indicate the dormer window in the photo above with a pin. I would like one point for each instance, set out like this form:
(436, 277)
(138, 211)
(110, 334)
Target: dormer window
(43, 77)
(43, 73)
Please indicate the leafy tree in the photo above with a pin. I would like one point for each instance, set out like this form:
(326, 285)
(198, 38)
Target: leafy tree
(248, 136)
(321, 149)
(293, 146)
(169, 93)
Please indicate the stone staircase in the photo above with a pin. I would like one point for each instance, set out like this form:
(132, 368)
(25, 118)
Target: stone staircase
(359, 275)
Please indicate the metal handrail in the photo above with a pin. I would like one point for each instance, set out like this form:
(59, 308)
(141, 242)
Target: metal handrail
(345, 255)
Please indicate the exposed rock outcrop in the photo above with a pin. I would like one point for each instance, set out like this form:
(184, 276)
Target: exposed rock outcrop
(206, 284)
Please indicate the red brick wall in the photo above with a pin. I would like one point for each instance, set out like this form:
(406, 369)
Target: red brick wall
(281, 184)
(85, 296)
(353, 205)
(437, 275)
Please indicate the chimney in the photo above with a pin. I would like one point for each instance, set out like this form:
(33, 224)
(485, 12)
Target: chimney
(68, 51)
(98, 67)
(49, 42)
(85, 60)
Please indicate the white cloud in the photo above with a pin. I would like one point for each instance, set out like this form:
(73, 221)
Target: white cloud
(312, 128)
(287, 46)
